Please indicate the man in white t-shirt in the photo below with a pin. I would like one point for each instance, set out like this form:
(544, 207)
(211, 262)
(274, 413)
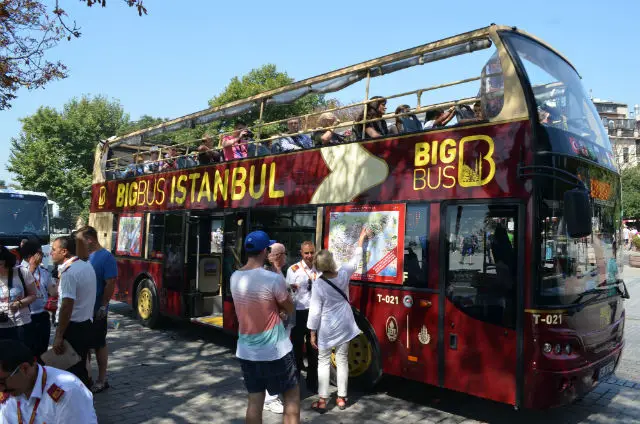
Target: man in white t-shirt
(300, 278)
(264, 350)
(76, 299)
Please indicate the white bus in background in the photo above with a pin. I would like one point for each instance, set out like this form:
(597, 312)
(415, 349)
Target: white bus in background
(26, 214)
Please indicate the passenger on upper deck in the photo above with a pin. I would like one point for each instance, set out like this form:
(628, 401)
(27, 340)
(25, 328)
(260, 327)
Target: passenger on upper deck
(292, 142)
(152, 165)
(325, 137)
(170, 164)
(235, 145)
(437, 118)
(136, 168)
(206, 153)
(378, 128)
(406, 123)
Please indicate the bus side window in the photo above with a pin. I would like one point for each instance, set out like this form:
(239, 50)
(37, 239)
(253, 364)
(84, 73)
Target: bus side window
(155, 239)
(482, 261)
(416, 245)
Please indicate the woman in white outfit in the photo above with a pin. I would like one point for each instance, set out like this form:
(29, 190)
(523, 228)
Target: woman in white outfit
(332, 323)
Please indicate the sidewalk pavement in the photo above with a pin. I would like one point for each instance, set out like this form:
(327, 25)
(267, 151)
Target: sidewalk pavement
(188, 374)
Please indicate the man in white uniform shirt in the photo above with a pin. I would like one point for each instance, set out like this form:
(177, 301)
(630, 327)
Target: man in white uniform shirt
(300, 277)
(37, 394)
(76, 299)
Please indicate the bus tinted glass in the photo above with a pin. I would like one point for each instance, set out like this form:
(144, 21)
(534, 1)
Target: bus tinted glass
(564, 108)
(23, 215)
(571, 266)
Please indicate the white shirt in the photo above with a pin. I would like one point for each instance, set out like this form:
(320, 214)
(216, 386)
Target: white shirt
(77, 282)
(329, 314)
(625, 233)
(22, 316)
(42, 280)
(74, 405)
(300, 274)
(429, 124)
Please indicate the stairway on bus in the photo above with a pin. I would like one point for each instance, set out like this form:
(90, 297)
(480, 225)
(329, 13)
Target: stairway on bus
(208, 310)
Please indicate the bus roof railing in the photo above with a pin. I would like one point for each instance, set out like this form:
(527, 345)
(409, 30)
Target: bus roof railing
(324, 83)
(188, 144)
(137, 149)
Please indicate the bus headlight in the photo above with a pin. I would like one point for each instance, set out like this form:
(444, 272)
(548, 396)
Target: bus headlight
(546, 348)
(557, 349)
(567, 349)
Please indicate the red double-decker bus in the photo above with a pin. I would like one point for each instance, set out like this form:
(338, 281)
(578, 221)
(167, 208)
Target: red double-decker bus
(494, 207)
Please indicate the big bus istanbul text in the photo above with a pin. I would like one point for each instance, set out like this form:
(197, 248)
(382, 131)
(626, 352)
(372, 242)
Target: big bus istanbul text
(233, 184)
(435, 163)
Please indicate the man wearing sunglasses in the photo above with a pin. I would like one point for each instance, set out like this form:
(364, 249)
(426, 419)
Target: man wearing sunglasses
(300, 277)
(40, 394)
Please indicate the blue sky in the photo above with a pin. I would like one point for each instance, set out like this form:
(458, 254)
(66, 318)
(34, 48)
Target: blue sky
(170, 62)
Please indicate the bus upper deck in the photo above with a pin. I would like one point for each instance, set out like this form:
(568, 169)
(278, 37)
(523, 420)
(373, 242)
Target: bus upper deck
(241, 129)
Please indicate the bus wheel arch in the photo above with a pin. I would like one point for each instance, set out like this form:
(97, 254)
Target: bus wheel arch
(146, 303)
(365, 359)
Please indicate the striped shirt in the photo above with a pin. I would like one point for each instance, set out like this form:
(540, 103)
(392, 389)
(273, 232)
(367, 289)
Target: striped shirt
(261, 334)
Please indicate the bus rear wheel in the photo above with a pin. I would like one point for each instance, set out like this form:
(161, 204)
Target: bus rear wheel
(365, 366)
(147, 306)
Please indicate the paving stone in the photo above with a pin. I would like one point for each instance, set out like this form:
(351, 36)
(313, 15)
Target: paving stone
(187, 374)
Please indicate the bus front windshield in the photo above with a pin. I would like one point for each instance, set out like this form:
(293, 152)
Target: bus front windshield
(571, 268)
(23, 216)
(565, 110)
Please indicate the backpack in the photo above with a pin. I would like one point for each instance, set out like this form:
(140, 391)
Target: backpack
(411, 123)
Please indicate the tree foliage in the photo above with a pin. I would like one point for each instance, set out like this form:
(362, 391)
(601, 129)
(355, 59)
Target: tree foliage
(28, 28)
(259, 80)
(54, 152)
(631, 192)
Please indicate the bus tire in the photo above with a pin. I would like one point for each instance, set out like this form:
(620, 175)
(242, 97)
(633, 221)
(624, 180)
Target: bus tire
(365, 361)
(147, 306)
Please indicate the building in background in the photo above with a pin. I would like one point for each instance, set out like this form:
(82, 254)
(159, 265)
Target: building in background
(624, 130)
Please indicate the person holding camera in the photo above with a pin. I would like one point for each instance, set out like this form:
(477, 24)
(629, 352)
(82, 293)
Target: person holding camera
(300, 277)
(17, 292)
(438, 118)
(235, 144)
(40, 320)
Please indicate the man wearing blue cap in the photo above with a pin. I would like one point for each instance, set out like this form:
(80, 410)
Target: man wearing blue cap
(264, 350)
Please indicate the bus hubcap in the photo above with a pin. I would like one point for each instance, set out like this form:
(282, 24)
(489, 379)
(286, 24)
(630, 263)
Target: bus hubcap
(145, 303)
(359, 356)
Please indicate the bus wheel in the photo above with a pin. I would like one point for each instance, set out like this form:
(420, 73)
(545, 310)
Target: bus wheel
(365, 366)
(147, 305)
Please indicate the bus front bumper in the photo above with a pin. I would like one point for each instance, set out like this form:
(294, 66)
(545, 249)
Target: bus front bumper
(549, 389)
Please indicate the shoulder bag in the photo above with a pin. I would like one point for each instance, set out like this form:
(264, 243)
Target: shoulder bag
(344, 296)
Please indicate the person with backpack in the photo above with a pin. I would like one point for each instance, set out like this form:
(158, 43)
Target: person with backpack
(406, 123)
(17, 292)
(331, 321)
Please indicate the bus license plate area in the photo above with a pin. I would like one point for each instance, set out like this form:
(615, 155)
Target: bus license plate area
(606, 370)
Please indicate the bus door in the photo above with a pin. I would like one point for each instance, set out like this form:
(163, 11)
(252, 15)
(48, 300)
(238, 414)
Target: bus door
(174, 241)
(204, 265)
(479, 258)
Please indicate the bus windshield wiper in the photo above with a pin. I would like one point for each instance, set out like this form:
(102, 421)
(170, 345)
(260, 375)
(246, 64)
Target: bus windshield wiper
(597, 291)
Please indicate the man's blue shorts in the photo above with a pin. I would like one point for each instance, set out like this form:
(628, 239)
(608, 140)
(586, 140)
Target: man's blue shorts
(275, 376)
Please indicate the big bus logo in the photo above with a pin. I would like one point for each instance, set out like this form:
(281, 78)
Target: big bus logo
(447, 163)
(102, 197)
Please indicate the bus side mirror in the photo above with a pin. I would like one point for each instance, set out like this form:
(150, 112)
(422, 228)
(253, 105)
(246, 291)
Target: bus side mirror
(577, 213)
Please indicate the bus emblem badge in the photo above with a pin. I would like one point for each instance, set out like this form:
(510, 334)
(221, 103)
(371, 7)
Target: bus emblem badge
(392, 329)
(407, 301)
(423, 336)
